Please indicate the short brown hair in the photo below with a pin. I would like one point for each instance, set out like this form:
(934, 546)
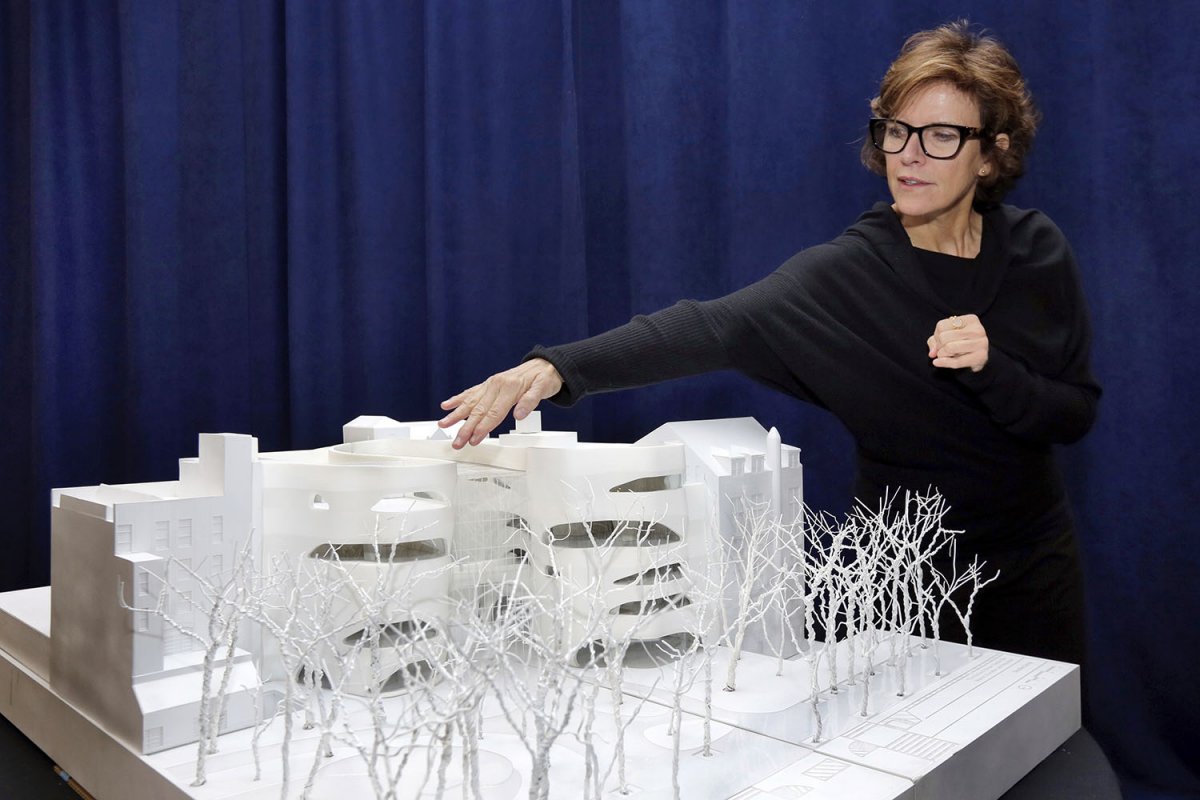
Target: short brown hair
(977, 65)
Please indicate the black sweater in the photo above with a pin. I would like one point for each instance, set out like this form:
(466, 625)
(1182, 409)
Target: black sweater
(844, 325)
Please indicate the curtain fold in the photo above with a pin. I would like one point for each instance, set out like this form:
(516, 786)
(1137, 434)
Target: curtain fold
(270, 216)
(27, 548)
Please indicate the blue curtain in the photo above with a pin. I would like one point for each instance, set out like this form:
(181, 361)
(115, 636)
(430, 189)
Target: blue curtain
(270, 217)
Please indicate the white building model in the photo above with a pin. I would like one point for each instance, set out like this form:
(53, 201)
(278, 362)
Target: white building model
(389, 505)
(390, 617)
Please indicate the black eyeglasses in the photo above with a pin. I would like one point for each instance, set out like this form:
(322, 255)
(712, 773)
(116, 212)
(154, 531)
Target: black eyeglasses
(940, 140)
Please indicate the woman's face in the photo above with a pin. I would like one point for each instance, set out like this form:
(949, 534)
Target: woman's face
(928, 188)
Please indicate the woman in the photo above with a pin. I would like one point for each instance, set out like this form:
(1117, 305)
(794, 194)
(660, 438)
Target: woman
(947, 331)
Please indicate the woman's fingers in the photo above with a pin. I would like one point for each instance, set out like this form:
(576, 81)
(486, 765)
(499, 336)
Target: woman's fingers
(959, 342)
(484, 406)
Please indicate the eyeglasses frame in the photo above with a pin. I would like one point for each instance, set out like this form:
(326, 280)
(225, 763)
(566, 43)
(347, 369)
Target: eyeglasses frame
(965, 132)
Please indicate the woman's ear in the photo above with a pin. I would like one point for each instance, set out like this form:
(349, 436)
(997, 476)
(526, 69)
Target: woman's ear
(1001, 142)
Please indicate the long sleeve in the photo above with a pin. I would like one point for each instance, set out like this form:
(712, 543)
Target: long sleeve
(672, 343)
(768, 331)
(1058, 405)
(1033, 406)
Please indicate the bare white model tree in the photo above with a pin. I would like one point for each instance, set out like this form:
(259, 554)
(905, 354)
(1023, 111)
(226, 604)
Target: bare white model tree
(438, 698)
(382, 622)
(668, 586)
(628, 612)
(693, 655)
(820, 564)
(841, 584)
(909, 537)
(787, 594)
(707, 585)
(874, 577)
(685, 672)
(619, 639)
(222, 602)
(948, 586)
(295, 603)
(538, 674)
(751, 551)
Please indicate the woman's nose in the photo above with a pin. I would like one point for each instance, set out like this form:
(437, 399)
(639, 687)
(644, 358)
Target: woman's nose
(912, 151)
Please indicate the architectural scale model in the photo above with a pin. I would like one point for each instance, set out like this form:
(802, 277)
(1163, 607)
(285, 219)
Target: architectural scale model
(533, 617)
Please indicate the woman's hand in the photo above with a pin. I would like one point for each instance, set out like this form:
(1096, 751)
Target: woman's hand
(959, 342)
(485, 405)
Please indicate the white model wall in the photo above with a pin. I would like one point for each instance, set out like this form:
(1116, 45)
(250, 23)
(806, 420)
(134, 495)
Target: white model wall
(308, 501)
(106, 540)
(312, 499)
(570, 491)
(91, 652)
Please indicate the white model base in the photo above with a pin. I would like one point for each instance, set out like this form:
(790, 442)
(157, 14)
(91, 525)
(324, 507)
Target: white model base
(973, 732)
(967, 735)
